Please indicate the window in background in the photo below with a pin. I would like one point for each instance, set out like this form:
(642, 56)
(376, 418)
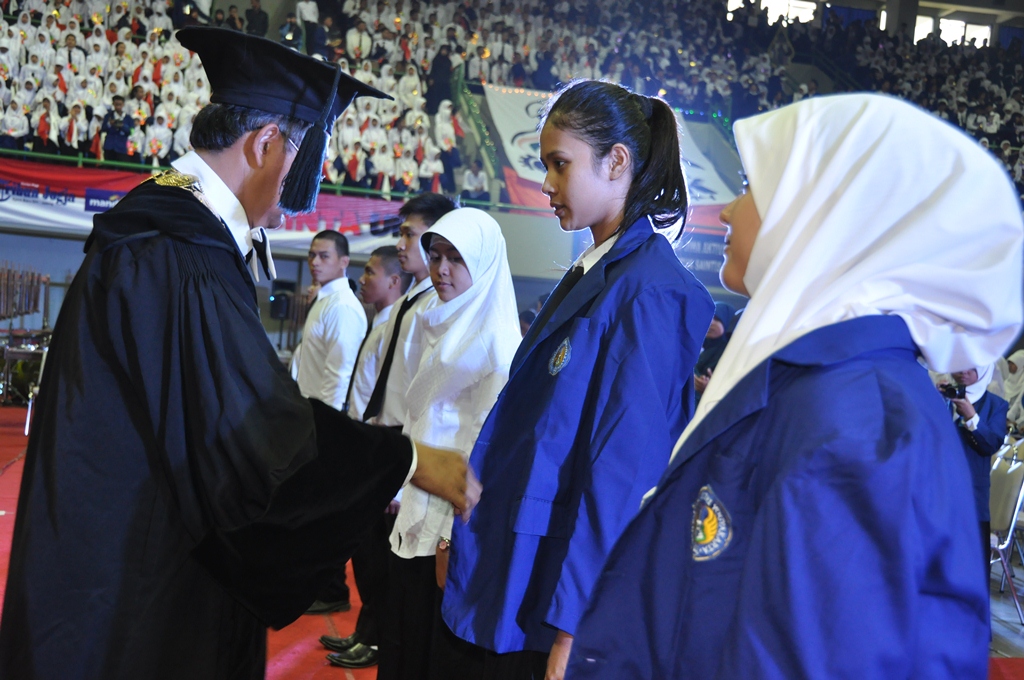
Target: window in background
(790, 9)
(951, 30)
(979, 34)
(923, 27)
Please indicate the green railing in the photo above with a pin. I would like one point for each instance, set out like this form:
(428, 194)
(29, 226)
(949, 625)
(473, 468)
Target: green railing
(335, 189)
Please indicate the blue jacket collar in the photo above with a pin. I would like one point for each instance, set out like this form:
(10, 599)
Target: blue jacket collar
(825, 346)
(587, 289)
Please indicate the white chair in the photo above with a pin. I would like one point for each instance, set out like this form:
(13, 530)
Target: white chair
(1005, 498)
(33, 391)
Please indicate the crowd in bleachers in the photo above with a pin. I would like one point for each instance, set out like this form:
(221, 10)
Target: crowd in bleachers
(86, 80)
(111, 81)
(976, 87)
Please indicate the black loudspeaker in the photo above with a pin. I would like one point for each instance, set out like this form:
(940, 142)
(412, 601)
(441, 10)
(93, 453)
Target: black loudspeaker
(281, 294)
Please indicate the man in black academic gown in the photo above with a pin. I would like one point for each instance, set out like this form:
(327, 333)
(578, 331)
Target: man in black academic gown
(179, 494)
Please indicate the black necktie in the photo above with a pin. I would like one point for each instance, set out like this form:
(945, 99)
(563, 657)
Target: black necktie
(355, 367)
(570, 279)
(377, 398)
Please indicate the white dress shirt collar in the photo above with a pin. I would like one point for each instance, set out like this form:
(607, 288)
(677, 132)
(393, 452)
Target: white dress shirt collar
(594, 253)
(332, 287)
(420, 287)
(224, 203)
(382, 316)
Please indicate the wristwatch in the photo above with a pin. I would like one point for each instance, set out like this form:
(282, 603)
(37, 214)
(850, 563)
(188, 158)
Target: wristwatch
(443, 544)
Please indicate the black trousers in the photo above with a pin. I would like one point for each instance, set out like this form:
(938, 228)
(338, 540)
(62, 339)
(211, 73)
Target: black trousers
(337, 591)
(453, 657)
(309, 27)
(370, 564)
(411, 608)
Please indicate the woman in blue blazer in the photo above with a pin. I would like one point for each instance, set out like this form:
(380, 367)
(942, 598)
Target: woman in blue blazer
(600, 388)
(816, 520)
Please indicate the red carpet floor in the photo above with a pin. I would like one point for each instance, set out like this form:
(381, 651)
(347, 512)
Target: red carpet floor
(292, 653)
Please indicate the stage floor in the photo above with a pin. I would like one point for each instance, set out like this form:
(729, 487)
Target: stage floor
(294, 653)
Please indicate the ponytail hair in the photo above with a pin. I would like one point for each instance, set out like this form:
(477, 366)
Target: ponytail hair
(604, 114)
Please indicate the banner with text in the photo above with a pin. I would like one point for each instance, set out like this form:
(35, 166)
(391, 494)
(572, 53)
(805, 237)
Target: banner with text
(63, 198)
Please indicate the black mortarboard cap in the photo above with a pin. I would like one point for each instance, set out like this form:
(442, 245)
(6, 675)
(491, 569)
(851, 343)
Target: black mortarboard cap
(257, 73)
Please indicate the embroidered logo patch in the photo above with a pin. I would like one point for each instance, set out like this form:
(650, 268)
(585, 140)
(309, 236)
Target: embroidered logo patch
(712, 527)
(560, 358)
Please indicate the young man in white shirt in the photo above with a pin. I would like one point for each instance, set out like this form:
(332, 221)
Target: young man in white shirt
(383, 282)
(335, 327)
(335, 324)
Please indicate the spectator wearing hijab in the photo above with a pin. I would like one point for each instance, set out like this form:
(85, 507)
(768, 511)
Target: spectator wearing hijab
(45, 123)
(980, 417)
(14, 128)
(439, 80)
(1013, 388)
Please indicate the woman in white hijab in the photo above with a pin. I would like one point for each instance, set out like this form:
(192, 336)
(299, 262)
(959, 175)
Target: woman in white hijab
(410, 88)
(816, 519)
(469, 334)
(1013, 387)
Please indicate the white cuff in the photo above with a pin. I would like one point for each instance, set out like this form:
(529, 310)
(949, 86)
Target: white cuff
(971, 424)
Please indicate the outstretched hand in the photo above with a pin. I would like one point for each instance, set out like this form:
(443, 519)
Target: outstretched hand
(445, 473)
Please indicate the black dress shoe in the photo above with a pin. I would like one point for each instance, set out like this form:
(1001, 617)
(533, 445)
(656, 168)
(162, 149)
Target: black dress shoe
(357, 656)
(339, 644)
(321, 607)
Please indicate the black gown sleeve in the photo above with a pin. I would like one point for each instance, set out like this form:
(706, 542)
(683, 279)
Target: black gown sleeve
(275, 492)
(278, 565)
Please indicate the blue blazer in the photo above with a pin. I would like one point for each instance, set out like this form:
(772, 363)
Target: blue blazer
(817, 524)
(979, 445)
(594, 402)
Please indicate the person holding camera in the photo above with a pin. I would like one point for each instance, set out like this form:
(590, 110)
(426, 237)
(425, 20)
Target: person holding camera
(980, 417)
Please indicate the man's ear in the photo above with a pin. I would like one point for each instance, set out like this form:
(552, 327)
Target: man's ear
(260, 143)
(345, 260)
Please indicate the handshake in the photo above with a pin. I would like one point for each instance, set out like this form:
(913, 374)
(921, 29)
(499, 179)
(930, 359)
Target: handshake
(447, 474)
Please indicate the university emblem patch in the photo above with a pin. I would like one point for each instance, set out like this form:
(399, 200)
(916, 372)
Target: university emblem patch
(712, 527)
(560, 358)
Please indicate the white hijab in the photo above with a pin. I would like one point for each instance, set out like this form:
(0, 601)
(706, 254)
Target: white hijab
(1014, 387)
(475, 334)
(468, 344)
(870, 205)
(977, 390)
